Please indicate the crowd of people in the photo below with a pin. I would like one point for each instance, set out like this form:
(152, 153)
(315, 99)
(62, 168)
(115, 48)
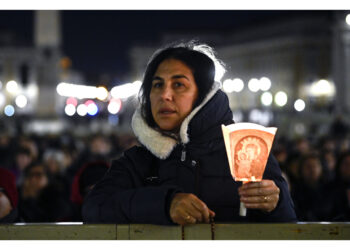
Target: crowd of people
(317, 169)
(45, 178)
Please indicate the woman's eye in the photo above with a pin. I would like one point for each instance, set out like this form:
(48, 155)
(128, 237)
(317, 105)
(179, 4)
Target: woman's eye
(178, 84)
(157, 85)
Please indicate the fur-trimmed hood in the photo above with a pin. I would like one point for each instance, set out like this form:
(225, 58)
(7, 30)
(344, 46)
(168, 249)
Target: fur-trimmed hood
(161, 145)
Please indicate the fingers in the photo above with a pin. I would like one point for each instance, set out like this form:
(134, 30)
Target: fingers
(262, 195)
(189, 209)
(202, 209)
(263, 188)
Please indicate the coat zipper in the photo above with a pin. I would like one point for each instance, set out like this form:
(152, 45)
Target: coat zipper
(183, 153)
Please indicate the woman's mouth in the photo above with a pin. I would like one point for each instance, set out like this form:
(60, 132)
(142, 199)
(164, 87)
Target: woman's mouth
(166, 111)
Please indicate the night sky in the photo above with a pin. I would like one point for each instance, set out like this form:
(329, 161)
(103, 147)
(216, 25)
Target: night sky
(97, 41)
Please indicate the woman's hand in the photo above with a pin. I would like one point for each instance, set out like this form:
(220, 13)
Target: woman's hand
(189, 209)
(263, 195)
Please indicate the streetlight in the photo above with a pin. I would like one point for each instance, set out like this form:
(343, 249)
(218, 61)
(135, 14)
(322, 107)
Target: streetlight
(347, 19)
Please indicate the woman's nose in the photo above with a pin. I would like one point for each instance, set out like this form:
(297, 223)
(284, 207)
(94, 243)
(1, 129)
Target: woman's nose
(167, 94)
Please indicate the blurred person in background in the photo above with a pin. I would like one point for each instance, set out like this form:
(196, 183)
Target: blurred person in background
(339, 127)
(6, 150)
(8, 197)
(23, 158)
(34, 181)
(342, 188)
(302, 146)
(31, 144)
(54, 160)
(85, 179)
(180, 174)
(99, 148)
(41, 199)
(312, 196)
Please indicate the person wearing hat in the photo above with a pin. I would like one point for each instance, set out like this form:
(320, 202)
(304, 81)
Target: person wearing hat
(180, 173)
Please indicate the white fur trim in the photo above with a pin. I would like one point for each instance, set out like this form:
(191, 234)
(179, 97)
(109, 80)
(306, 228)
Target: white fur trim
(161, 145)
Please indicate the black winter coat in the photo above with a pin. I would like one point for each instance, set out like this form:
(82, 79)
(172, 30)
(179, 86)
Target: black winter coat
(139, 186)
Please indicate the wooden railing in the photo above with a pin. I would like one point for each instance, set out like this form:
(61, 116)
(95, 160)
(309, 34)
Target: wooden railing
(71, 231)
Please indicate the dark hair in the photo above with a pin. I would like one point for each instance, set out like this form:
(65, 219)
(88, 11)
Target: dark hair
(202, 66)
(338, 164)
(28, 169)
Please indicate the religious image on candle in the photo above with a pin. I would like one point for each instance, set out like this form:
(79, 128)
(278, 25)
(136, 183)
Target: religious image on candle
(248, 146)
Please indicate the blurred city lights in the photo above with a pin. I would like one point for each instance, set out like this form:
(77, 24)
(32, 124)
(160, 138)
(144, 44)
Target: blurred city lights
(32, 90)
(2, 99)
(69, 109)
(73, 101)
(126, 90)
(228, 86)
(82, 109)
(265, 83)
(322, 88)
(114, 106)
(88, 102)
(102, 93)
(260, 117)
(281, 98)
(9, 110)
(299, 105)
(238, 85)
(92, 109)
(12, 87)
(299, 129)
(266, 98)
(21, 101)
(78, 91)
(253, 85)
(347, 19)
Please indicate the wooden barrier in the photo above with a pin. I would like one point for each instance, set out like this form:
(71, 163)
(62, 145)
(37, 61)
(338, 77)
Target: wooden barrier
(66, 231)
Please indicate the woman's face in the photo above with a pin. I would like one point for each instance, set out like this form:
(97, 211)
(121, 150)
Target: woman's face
(173, 94)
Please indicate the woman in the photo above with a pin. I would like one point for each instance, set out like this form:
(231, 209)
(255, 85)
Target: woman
(180, 174)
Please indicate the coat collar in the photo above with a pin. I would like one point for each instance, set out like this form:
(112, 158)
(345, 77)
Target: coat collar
(161, 145)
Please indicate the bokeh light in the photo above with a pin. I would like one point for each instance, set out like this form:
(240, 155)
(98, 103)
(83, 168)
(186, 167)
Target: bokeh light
(9, 110)
(82, 109)
(347, 19)
(102, 93)
(265, 83)
(2, 99)
(253, 85)
(21, 101)
(114, 106)
(12, 87)
(238, 85)
(266, 98)
(281, 98)
(72, 100)
(92, 109)
(70, 109)
(228, 86)
(299, 105)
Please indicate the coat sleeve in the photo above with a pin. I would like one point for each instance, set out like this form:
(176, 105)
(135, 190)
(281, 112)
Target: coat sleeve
(284, 211)
(122, 198)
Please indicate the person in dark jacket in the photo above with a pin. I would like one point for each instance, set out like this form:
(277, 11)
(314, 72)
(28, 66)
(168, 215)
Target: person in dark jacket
(180, 174)
(8, 197)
